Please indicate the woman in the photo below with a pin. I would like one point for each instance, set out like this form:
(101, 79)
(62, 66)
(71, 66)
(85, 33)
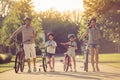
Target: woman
(93, 42)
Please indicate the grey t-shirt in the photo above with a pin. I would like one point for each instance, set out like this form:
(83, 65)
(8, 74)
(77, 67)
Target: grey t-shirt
(93, 35)
(27, 34)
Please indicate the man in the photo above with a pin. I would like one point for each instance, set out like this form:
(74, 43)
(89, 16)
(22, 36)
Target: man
(28, 35)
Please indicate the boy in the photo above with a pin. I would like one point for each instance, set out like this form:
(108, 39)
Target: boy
(51, 48)
(72, 46)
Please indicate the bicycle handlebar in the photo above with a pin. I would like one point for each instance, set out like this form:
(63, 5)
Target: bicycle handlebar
(13, 40)
(67, 45)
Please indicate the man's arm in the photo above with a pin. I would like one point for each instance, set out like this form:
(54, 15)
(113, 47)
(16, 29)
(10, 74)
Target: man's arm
(16, 33)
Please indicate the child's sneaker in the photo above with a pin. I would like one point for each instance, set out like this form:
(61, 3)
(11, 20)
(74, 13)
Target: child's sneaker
(75, 70)
(53, 70)
(34, 69)
(71, 70)
(29, 70)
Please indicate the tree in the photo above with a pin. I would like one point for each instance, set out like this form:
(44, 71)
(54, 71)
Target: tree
(107, 13)
(14, 19)
(61, 24)
(4, 9)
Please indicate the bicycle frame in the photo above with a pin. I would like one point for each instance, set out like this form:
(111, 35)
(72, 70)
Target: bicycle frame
(67, 62)
(44, 59)
(20, 57)
(86, 54)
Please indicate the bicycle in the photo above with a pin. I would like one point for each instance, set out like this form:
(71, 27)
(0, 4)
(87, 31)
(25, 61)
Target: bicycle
(86, 60)
(44, 59)
(20, 56)
(86, 55)
(67, 59)
(67, 62)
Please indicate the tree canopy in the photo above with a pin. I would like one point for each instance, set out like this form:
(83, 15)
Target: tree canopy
(107, 13)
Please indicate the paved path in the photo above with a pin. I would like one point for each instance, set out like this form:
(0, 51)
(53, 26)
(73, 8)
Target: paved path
(107, 73)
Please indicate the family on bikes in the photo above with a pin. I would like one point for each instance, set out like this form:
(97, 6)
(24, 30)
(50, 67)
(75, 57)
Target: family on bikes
(29, 34)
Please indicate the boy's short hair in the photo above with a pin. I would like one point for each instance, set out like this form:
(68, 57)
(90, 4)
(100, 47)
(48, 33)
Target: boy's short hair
(71, 36)
(50, 33)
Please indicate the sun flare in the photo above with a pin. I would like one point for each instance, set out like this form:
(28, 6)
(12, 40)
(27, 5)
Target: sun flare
(60, 5)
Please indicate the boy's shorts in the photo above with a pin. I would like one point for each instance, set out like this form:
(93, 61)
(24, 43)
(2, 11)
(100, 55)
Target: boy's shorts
(29, 50)
(49, 55)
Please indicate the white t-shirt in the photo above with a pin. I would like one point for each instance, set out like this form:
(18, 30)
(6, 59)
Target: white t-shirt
(71, 50)
(50, 49)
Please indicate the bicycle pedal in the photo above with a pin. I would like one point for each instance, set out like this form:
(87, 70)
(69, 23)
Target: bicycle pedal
(61, 60)
(39, 70)
(41, 65)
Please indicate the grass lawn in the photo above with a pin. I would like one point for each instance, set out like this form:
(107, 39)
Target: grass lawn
(9, 66)
(107, 59)
(6, 67)
(110, 59)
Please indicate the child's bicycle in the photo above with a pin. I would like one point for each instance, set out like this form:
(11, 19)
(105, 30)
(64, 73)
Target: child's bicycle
(67, 62)
(67, 59)
(44, 59)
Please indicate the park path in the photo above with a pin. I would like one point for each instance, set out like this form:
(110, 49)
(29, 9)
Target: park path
(107, 73)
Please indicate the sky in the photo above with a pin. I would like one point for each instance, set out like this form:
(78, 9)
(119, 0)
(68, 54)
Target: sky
(60, 5)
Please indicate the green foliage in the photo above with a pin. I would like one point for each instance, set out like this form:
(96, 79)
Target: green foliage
(107, 14)
(38, 27)
(61, 24)
(5, 58)
(14, 19)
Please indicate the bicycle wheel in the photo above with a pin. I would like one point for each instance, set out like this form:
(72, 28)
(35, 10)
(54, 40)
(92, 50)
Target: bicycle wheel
(44, 62)
(67, 63)
(86, 62)
(17, 60)
(22, 61)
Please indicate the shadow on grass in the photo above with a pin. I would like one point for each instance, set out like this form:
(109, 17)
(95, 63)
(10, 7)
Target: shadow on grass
(7, 66)
(109, 62)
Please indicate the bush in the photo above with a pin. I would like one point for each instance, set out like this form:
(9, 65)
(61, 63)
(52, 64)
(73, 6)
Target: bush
(5, 58)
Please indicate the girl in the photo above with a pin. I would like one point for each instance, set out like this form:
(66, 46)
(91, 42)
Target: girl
(93, 42)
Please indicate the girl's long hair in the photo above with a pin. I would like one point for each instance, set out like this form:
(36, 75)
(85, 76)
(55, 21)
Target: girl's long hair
(92, 19)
